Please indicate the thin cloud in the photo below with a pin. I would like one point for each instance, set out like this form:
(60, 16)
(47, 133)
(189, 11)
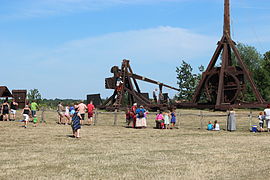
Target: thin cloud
(153, 53)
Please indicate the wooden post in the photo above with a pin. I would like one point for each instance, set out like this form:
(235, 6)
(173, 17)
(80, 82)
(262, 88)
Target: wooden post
(201, 119)
(178, 119)
(42, 116)
(115, 117)
(250, 119)
(95, 117)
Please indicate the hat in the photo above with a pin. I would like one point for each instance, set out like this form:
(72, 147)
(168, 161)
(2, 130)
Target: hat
(141, 106)
(135, 104)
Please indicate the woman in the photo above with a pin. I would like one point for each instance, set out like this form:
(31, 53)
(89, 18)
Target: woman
(25, 112)
(5, 110)
(76, 126)
(141, 118)
(67, 115)
(267, 117)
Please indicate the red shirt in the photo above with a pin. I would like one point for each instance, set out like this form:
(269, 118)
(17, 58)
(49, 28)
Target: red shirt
(90, 107)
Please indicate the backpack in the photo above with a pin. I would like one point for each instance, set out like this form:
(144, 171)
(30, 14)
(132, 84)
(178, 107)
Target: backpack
(141, 114)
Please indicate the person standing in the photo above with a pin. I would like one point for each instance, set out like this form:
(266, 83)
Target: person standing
(141, 119)
(82, 108)
(173, 118)
(5, 110)
(267, 117)
(155, 92)
(90, 109)
(166, 116)
(13, 108)
(76, 125)
(26, 113)
(60, 110)
(34, 107)
(133, 111)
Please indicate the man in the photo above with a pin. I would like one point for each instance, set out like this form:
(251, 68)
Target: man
(34, 107)
(82, 108)
(90, 108)
(60, 111)
(13, 108)
(155, 92)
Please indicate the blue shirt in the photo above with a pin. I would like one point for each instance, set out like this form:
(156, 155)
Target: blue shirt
(210, 127)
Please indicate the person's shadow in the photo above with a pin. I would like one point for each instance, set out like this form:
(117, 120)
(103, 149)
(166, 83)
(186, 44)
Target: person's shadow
(70, 136)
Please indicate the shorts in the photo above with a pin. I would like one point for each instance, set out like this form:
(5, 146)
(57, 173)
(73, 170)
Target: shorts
(26, 117)
(13, 111)
(61, 114)
(90, 114)
(5, 112)
(83, 115)
(261, 125)
(33, 113)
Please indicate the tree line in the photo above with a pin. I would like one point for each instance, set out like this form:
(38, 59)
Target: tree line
(258, 64)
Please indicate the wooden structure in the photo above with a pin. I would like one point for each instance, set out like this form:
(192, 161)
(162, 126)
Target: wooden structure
(20, 97)
(224, 86)
(95, 98)
(4, 92)
(126, 88)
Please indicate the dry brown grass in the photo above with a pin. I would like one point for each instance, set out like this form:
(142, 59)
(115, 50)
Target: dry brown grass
(115, 152)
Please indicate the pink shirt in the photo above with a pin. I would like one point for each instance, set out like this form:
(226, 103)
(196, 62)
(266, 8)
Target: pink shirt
(82, 108)
(159, 117)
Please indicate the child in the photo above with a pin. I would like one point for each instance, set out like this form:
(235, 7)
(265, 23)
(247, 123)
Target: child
(159, 121)
(173, 118)
(67, 116)
(76, 126)
(210, 126)
(35, 120)
(166, 120)
(216, 126)
(261, 119)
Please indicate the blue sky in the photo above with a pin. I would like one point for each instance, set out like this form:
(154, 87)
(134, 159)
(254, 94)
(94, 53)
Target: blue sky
(65, 48)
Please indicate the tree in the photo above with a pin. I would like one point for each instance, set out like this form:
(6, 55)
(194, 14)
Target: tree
(34, 94)
(263, 77)
(254, 62)
(186, 80)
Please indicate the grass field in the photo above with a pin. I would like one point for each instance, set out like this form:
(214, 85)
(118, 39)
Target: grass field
(116, 152)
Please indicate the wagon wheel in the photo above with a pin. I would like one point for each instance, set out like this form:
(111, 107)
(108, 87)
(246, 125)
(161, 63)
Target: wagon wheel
(231, 87)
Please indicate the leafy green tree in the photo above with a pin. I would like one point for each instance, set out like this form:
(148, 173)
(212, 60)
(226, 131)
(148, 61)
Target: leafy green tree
(34, 95)
(186, 80)
(254, 62)
(263, 77)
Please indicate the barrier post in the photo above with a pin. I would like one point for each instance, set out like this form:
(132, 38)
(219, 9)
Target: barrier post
(115, 117)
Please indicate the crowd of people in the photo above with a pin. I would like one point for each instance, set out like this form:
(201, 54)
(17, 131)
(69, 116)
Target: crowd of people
(74, 115)
(264, 118)
(137, 115)
(213, 127)
(9, 110)
(165, 120)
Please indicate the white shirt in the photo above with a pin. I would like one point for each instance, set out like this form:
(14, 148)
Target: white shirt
(217, 127)
(267, 113)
